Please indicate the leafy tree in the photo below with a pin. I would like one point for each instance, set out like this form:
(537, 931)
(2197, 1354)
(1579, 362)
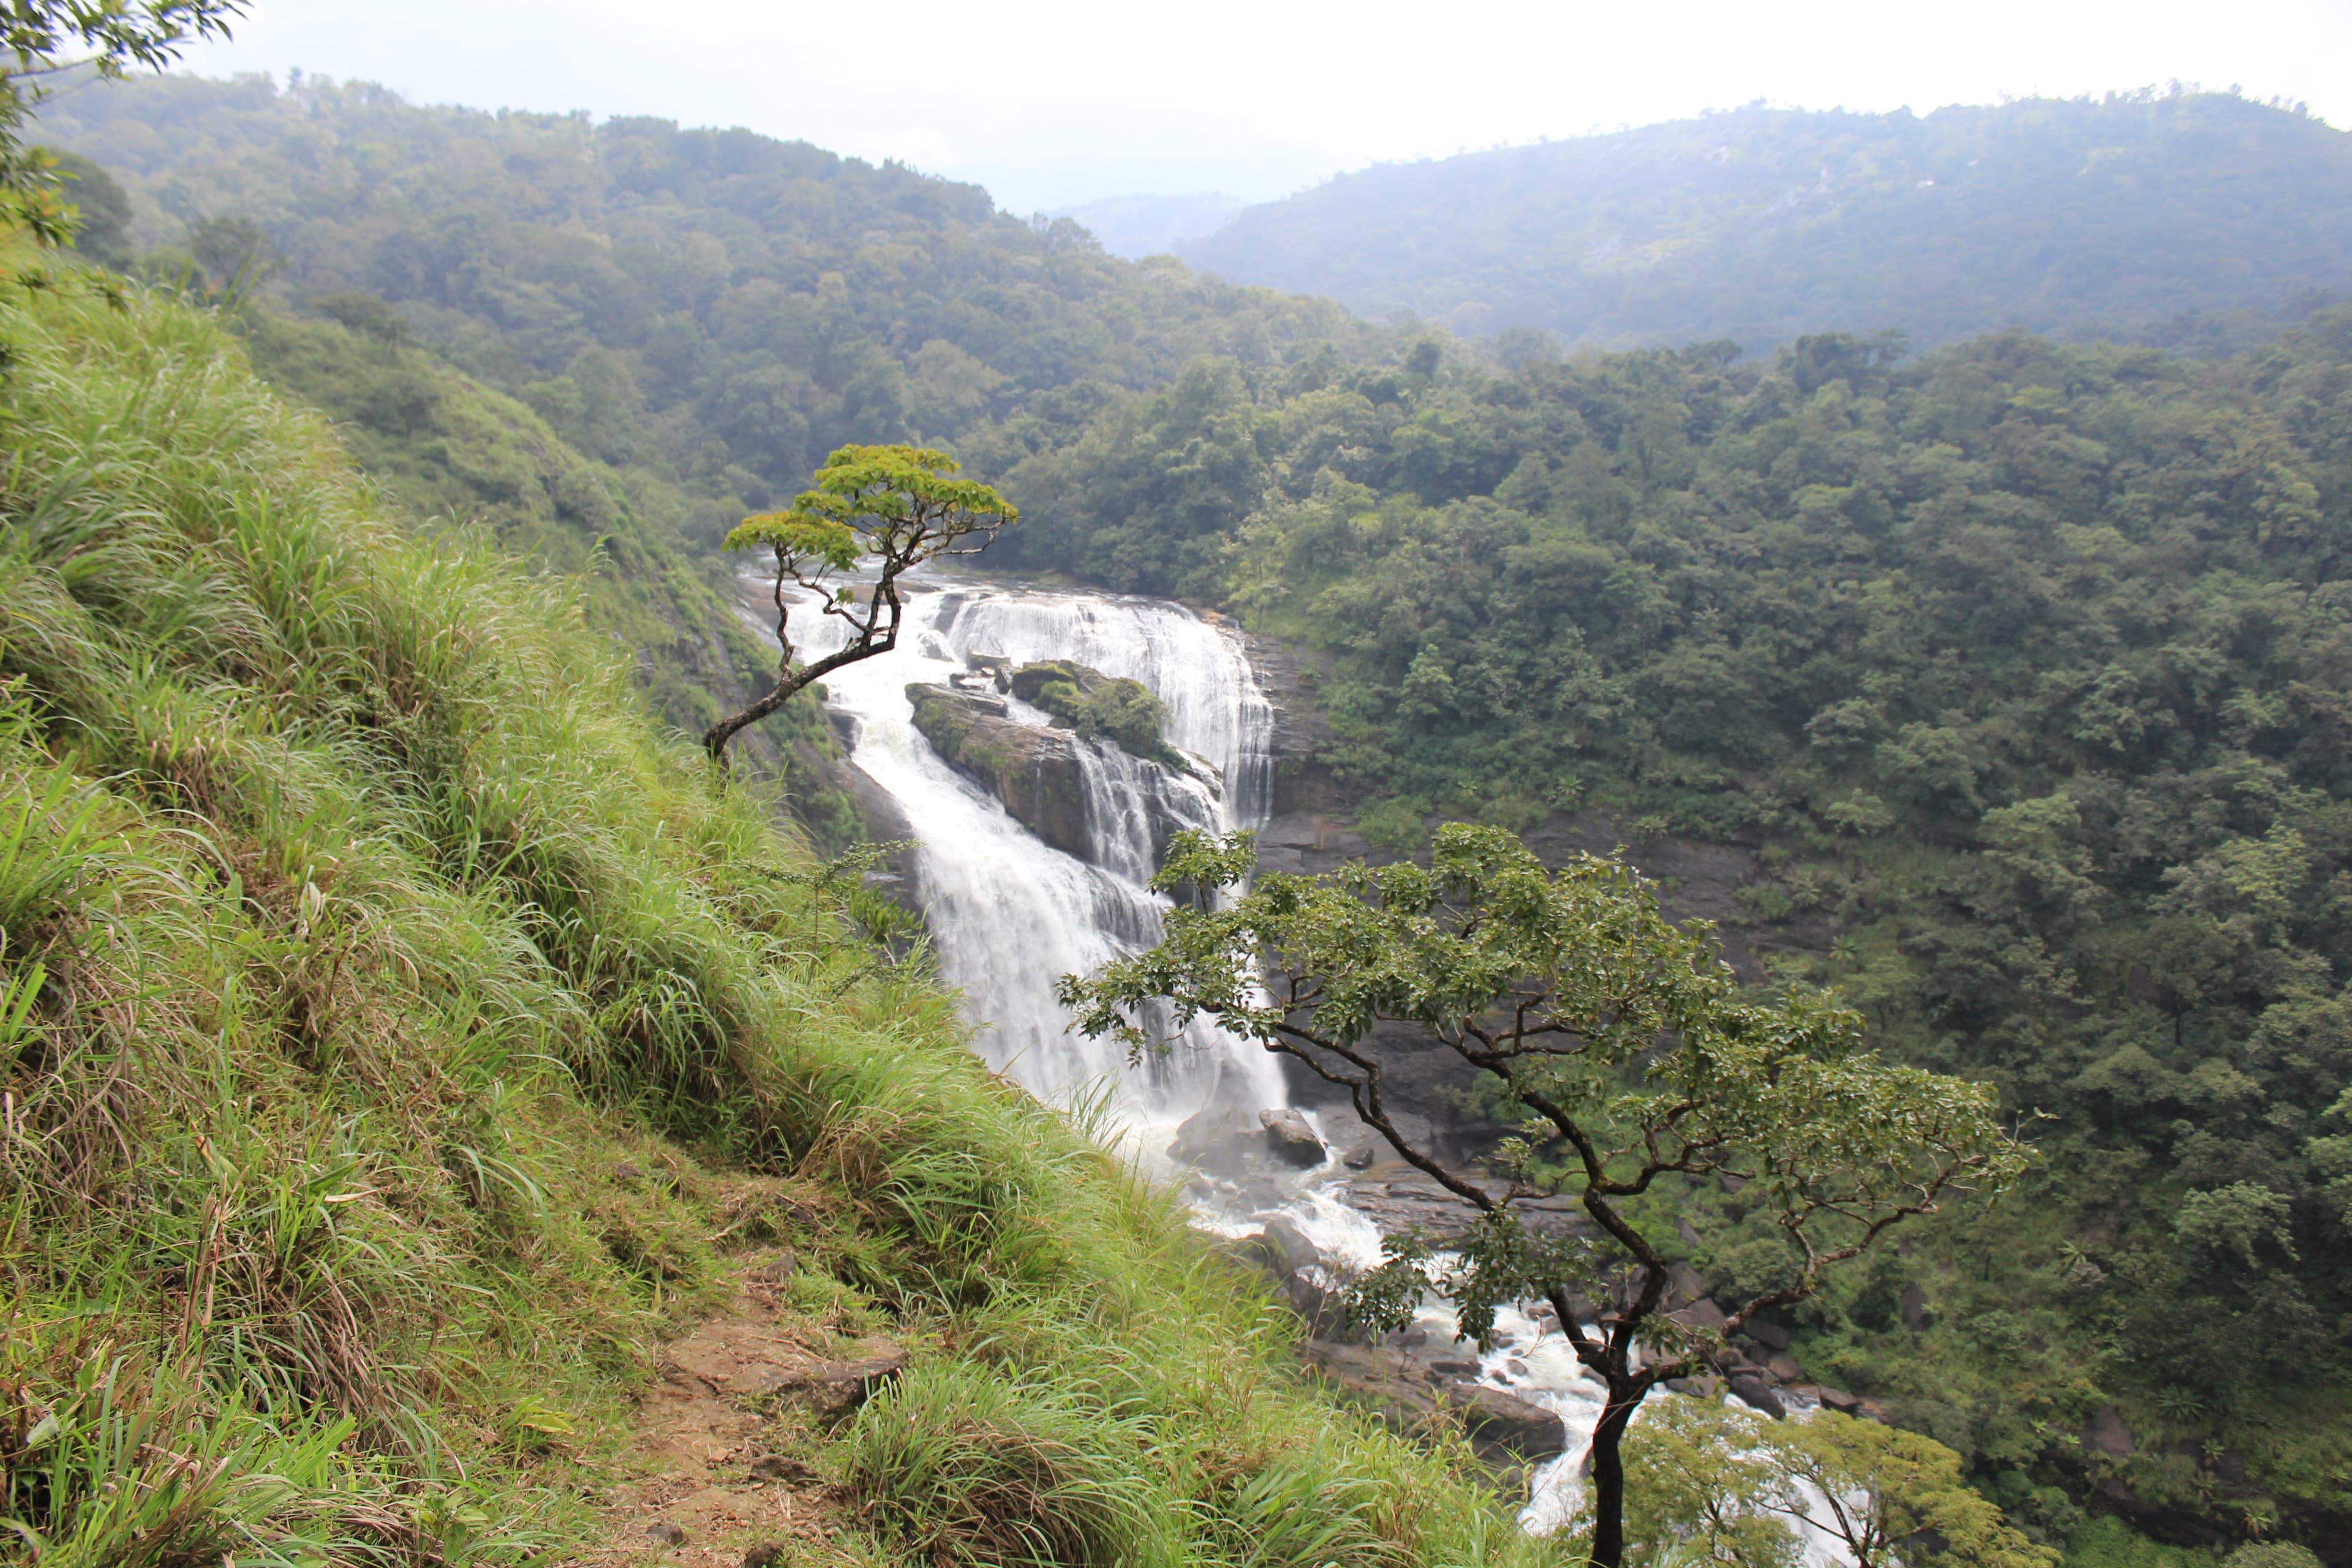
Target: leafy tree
(41, 40)
(1730, 1490)
(1620, 1040)
(900, 507)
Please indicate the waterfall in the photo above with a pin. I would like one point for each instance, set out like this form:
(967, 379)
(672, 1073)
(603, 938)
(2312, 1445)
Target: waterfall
(1010, 915)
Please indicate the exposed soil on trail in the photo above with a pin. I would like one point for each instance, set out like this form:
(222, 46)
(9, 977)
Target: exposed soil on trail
(715, 1472)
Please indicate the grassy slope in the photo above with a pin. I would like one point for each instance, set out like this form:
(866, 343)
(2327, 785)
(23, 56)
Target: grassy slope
(358, 927)
(451, 450)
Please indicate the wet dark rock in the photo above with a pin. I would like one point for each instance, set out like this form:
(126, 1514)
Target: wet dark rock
(1219, 1139)
(1299, 1249)
(1784, 1368)
(1754, 1391)
(1702, 1313)
(1376, 1379)
(1771, 1336)
(1031, 770)
(1452, 1366)
(1913, 1304)
(1290, 1139)
(1839, 1400)
(1416, 1202)
(1358, 1158)
(1500, 1424)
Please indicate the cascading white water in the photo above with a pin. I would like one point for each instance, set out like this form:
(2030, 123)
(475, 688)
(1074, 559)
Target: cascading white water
(1010, 915)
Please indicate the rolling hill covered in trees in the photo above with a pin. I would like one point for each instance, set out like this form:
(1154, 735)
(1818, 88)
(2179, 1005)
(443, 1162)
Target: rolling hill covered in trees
(2070, 218)
(718, 308)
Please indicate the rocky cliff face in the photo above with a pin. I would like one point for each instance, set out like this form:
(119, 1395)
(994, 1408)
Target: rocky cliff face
(1032, 769)
(1086, 796)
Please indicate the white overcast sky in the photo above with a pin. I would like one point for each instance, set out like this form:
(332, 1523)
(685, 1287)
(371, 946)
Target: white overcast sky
(1051, 102)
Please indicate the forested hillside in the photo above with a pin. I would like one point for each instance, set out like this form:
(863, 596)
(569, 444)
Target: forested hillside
(2024, 666)
(716, 308)
(2076, 218)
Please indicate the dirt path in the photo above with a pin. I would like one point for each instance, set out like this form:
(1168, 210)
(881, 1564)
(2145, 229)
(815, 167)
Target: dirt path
(715, 1480)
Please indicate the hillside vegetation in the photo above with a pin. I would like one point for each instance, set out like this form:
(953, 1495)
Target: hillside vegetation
(719, 309)
(2074, 217)
(399, 1036)
(2023, 669)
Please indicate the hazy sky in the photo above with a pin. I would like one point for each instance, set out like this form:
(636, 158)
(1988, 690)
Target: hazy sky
(1054, 102)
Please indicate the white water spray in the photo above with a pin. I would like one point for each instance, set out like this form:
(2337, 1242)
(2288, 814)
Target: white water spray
(1010, 915)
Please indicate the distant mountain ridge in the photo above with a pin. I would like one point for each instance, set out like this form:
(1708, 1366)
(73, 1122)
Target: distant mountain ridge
(1137, 226)
(2070, 218)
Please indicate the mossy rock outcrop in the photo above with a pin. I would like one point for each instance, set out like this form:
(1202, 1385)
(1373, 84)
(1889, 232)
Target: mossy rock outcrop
(1034, 771)
(1098, 706)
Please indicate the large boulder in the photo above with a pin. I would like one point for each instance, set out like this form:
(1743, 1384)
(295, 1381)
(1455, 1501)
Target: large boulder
(1218, 1139)
(1752, 1390)
(1376, 1379)
(1114, 708)
(1031, 770)
(1500, 1424)
(1290, 1138)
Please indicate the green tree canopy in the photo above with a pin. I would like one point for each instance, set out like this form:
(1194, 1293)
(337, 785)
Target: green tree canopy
(1618, 1042)
(897, 507)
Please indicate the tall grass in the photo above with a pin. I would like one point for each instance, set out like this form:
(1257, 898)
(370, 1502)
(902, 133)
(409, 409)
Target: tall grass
(359, 937)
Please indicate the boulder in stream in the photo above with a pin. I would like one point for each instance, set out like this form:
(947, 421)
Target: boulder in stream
(1500, 1424)
(1290, 1138)
(1218, 1139)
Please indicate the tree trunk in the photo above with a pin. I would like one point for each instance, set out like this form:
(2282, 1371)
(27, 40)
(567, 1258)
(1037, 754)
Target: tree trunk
(715, 739)
(1609, 1482)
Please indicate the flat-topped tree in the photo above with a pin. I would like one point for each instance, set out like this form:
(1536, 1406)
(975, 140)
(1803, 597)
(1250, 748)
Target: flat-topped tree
(897, 507)
(1621, 1041)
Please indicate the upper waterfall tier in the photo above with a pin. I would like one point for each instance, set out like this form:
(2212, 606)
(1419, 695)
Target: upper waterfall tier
(1008, 914)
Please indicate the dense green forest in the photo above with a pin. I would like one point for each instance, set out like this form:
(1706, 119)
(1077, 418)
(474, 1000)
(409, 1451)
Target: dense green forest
(2023, 665)
(2070, 218)
(716, 308)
